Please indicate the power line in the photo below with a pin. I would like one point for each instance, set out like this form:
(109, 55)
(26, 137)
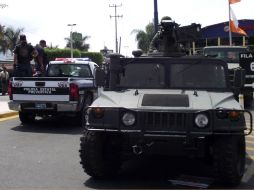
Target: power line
(116, 16)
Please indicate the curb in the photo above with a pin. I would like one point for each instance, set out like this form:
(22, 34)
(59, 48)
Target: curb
(8, 114)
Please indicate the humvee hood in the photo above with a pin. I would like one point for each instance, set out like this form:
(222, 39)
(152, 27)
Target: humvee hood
(166, 99)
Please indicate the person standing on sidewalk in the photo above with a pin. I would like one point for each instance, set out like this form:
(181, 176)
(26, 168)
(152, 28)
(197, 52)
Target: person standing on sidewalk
(23, 55)
(4, 75)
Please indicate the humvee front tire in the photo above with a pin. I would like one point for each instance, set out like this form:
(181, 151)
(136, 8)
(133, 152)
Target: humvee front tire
(98, 158)
(229, 159)
(26, 118)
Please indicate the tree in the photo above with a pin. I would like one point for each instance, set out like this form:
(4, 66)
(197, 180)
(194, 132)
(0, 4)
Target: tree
(79, 44)
(12, 37)
(9, 38)
(144, 37)
(3, 42)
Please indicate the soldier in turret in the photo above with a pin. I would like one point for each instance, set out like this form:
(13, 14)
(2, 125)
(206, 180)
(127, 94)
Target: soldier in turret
(171, 39)
(165, 40)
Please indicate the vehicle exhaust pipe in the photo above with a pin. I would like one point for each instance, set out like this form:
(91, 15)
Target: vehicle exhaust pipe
(137, 149)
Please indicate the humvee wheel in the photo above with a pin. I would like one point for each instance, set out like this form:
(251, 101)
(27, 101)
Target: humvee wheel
(26, 117)
(98, 158)
(229, 159)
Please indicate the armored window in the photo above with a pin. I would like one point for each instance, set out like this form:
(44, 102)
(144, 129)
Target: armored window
(197, 76)
(143, 76)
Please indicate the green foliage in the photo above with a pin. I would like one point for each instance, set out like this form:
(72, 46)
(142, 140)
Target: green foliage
(12, 36)
(9, 38)
(94, 56)
(144, 38)
(57, 53)
(78, 42)
(61, 53)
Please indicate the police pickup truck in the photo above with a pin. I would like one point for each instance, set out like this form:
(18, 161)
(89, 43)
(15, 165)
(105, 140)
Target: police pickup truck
(67, 88)
(232, 55)
(247, 63)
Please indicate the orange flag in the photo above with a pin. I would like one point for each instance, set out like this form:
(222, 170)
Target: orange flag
(234, 1)
(234, 24)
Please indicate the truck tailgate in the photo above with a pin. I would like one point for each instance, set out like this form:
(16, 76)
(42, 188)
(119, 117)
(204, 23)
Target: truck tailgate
(40, 89)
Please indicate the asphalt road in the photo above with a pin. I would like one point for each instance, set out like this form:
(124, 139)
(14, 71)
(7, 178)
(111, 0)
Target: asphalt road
(45, 156)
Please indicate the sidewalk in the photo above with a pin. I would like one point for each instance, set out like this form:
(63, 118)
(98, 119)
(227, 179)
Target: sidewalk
(5, 111)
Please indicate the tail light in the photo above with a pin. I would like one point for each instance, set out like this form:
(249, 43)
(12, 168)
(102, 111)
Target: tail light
(10, 90)
(74, 92)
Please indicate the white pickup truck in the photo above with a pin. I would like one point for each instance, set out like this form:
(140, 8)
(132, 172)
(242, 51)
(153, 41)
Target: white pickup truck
(67, 88)
(231, 54)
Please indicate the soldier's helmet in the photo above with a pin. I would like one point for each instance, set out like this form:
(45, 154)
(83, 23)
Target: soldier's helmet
(165, 18)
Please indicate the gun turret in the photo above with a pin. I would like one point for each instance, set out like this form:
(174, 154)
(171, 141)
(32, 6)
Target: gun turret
(170, 39)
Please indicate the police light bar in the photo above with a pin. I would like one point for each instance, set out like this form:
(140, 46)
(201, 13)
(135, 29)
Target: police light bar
(66, 60)
(82, 59)
(72, 59)
(60, 59)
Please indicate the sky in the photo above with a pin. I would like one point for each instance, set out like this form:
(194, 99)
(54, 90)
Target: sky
(48, 19)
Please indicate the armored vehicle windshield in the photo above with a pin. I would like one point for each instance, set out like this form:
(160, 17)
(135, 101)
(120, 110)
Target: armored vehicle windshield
(173, 75)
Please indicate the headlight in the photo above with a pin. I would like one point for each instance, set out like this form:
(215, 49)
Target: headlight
(201, 120)
(97, 112)
(128, 119)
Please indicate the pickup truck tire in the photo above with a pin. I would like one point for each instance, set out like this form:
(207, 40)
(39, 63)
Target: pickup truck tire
(98, 158)
(26, 118)
(229, 159)
(87, 102)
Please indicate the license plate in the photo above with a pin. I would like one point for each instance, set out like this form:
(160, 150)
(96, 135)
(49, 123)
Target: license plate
(40, 106)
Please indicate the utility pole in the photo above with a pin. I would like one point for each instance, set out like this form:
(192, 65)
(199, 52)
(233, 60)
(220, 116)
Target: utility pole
(116, 17)
(156, 22)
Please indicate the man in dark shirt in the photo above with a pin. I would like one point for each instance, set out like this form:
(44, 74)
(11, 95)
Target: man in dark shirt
(41, 61)
(23, 54)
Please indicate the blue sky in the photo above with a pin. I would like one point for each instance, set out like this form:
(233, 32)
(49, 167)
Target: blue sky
(48, 19)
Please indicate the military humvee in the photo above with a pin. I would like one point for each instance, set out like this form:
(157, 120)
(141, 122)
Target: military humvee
(175, 106)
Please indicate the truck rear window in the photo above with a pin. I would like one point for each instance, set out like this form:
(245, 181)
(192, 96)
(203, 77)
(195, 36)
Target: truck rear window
(231, 55)
(69, 70)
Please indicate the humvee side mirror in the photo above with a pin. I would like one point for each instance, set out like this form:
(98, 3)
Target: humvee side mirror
(239, 78)
(99, 77)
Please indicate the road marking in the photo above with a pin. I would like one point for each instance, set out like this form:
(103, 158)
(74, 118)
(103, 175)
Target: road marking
(249, 148)
(8, 118)
(250, 142)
